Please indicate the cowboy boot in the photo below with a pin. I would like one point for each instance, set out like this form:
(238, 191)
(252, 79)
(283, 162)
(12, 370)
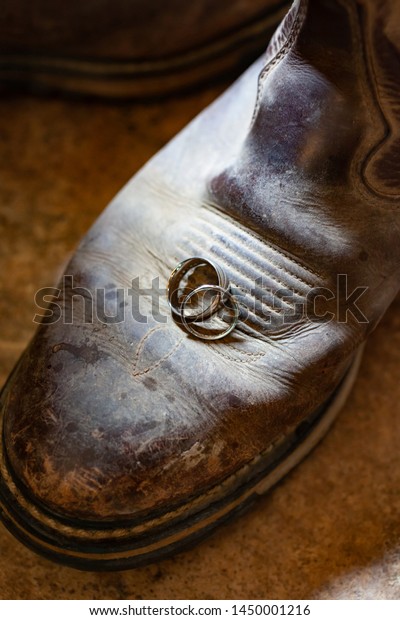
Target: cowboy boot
(137, 421)
(124, 48)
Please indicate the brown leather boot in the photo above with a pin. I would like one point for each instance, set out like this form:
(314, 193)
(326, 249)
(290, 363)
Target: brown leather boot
(127, 432)
(130, 48)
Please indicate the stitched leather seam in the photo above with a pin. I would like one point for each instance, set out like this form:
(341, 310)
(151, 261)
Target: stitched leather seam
(268, 247)
(301, 13)
(279, 267)
(236, 360)
(239, 351)
(242, 273)
(373, 106)
(247, 292)
(255, 316)
(258, 314)
(254, 325)
(156, 364)
(215, 211)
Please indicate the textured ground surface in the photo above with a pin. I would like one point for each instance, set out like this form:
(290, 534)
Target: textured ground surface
(332, 528)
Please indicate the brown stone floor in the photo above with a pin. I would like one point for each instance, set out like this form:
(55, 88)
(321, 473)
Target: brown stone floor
(332, 528)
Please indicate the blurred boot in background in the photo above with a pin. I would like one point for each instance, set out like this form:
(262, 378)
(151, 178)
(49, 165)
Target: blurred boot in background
(130, 48)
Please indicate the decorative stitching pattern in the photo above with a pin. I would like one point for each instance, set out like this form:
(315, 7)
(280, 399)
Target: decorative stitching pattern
(139, 373)
(254, 357)
(233, 268)
(215, 210)
(283, 268)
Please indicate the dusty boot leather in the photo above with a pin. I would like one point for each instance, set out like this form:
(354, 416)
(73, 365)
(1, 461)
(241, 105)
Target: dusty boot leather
(125, 441)
(130, 48)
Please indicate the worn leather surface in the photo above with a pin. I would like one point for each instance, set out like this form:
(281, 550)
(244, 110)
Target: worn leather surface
(281, 177)
(122, 29)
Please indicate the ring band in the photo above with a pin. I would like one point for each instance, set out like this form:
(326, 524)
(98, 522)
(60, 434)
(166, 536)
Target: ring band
(178, 303)
(223, 294)
(173, 288)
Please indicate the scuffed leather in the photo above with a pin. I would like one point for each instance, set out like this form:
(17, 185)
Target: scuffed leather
(274, 179)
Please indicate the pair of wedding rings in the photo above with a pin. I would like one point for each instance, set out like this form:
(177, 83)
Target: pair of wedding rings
(222, 300)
